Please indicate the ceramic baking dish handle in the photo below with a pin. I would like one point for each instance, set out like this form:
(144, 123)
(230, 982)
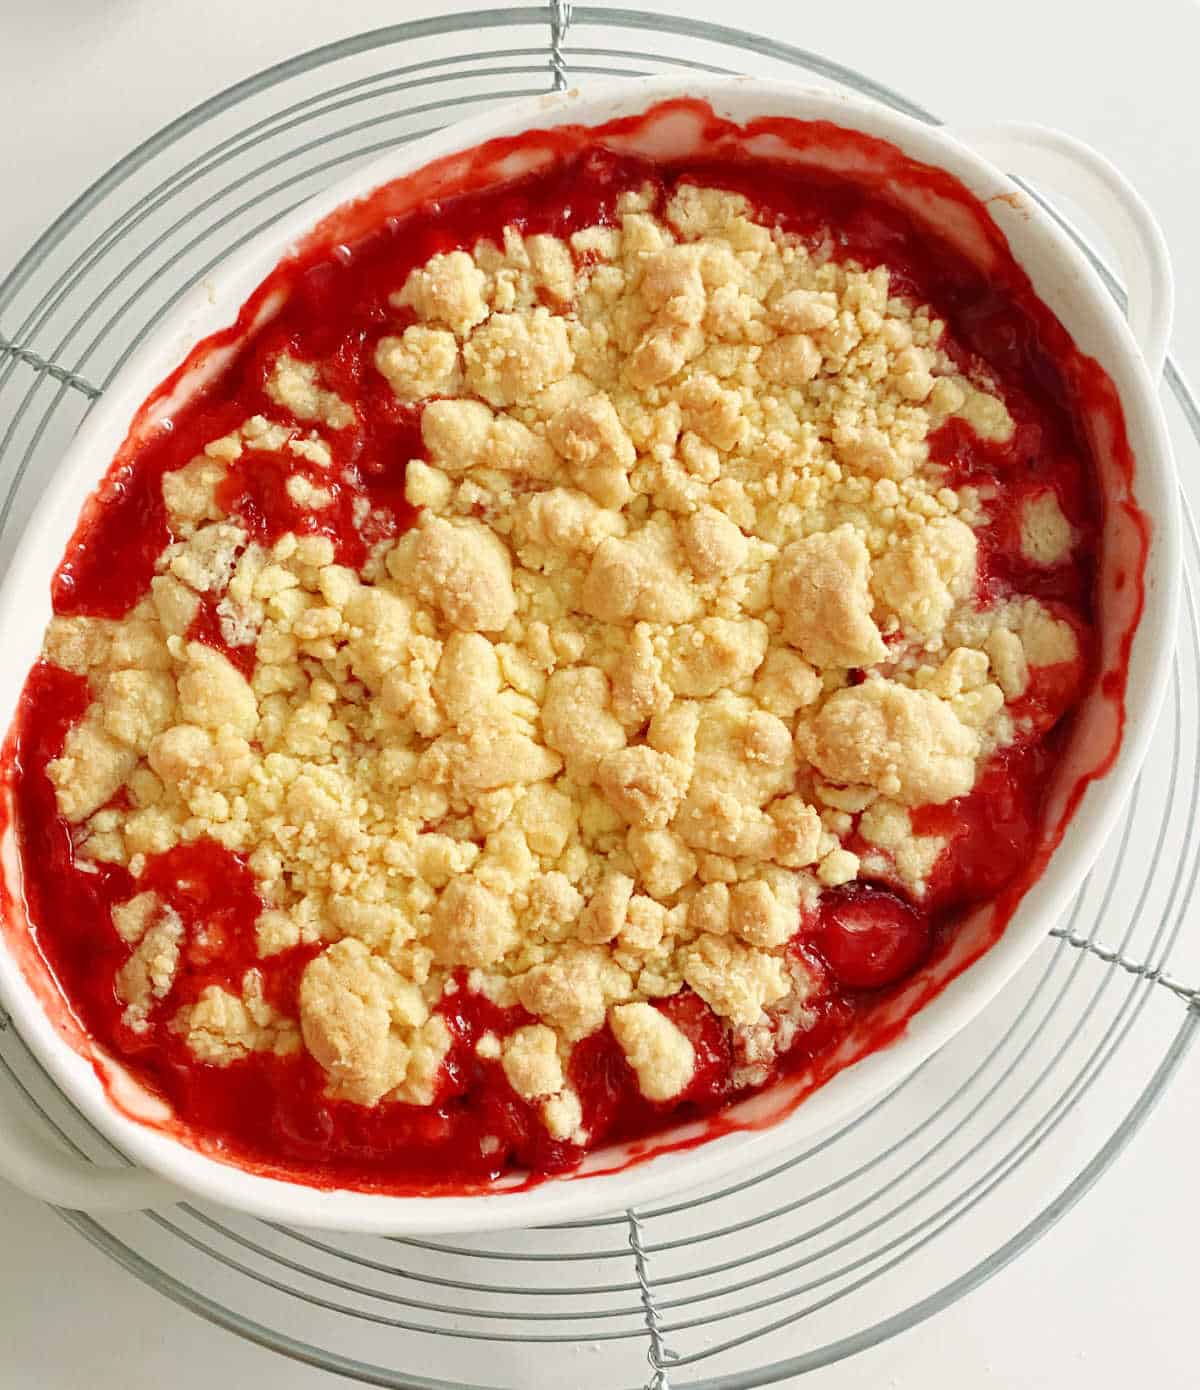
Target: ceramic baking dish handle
(1067, 166)
(36, 1163)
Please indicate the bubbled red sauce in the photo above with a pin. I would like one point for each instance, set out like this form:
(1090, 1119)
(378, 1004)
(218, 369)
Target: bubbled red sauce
(866, 939)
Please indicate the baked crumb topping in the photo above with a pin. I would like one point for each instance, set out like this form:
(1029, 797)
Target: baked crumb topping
(688, 623)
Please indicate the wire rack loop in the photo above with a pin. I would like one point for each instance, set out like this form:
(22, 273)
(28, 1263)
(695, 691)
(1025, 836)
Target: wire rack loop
(560, 22)
(39, 364)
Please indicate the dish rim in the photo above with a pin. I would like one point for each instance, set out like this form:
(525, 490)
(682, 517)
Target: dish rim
(573, 1197)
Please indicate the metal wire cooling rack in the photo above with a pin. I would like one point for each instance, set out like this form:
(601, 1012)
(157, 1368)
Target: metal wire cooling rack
(879, 1225)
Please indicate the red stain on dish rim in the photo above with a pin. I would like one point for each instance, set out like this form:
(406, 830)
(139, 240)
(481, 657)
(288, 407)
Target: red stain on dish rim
(759, 159)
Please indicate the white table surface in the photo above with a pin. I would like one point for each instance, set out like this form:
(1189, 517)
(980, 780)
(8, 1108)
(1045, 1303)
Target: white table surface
(81, 81)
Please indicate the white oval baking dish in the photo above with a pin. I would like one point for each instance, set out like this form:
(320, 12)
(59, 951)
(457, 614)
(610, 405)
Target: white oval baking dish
(1131, 353)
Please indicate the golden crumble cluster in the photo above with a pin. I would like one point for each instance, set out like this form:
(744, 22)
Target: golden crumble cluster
(685, 604)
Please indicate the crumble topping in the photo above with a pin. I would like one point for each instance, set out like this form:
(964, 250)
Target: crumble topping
(156, 932)
(294, 385)
(1047, 537)
(658, 1052)
(687, 611)
(221, 1027)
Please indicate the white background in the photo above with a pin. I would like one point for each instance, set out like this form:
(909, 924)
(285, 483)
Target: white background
(1107, 1300)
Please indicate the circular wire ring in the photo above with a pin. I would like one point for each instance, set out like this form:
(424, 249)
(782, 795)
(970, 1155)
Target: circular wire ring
(660, 1276)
